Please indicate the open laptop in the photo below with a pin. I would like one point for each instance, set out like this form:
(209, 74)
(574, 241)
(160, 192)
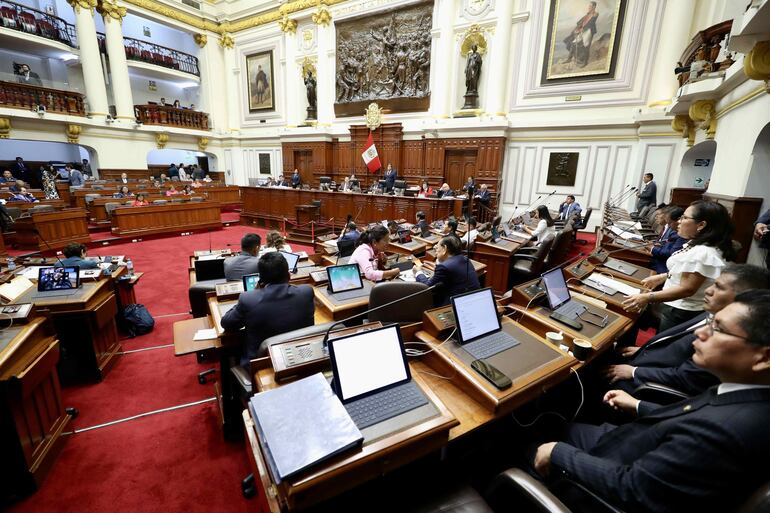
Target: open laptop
(58, 281)
(250, 281)
(291, 259)
(345, 282)
(209, 269)
(479, 331)
(372, 378)
(559, 298)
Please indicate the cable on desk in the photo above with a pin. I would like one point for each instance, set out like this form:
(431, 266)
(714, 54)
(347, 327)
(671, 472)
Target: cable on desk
(557, 414)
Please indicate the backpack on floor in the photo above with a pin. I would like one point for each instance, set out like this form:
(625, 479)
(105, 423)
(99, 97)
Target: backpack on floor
(137, 320)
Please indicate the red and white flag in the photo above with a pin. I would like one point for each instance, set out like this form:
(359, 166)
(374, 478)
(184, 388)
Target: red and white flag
(371, 159)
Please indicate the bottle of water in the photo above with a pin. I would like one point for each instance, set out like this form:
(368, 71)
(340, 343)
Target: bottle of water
(11, 264)
(130, 266)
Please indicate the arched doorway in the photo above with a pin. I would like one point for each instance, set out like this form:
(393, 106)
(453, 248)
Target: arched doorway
(758, 185)
(697, 164)
(37, 153)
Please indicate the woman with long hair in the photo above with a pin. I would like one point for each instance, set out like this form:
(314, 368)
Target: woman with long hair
(545, 225)
(48, 180)
(139, 201)
(370, 254)
(274, 241)
(708, 230)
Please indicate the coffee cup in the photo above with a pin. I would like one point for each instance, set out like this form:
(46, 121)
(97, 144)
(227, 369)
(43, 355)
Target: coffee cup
(581, 348)
(554, 337)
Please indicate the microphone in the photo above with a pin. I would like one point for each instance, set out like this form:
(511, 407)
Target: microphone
(371, 310)
(602, 256)
(40, 236)
(535, 289)
(545, 200)
(626, 195)
(611, 199)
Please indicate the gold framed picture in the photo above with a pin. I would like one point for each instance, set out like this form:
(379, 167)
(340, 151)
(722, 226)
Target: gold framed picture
(259, 76)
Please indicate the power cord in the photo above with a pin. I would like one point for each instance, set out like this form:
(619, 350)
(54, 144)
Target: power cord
(10, 318)
(557, 414)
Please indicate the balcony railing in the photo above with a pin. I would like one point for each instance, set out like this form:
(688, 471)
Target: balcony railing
(700, 56)
(25, 96)
(31, 21)
(151, 53)
(171, 116)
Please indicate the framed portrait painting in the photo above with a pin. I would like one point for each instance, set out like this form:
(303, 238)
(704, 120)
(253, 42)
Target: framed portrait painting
(259, 74)
(582, 40)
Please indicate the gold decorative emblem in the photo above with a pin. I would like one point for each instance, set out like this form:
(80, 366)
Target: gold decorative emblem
(201, 39)
(756, 63)
(287, 24)
(202, 143)
(110, 10)
(5, 128)
(226, 41)
(322, 16)
(684, 126)
(308, 66)
(84, 4)
(373, 116)
(161, 138)
(703, 114)
(73, 133)
(473, 36)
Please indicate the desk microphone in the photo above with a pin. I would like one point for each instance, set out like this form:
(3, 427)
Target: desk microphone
(535, 289)
(602, 256)
(611, 199)
(370, 310)
(623, 197)
(40, 236)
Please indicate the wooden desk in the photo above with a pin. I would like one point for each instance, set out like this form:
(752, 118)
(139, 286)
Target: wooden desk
(32, 418)
(54, 230)
(222, 194)
(85, 325)
(98, 210)
(497, 256)
(341, 309)
(169, 218)
(414, 247)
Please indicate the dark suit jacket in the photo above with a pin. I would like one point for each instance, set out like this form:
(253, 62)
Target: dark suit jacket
(80, 262)
(705, 454)
(390, 179)
(453, 276)
(20, 172)
(648, 196)
(667, 359)
(669, 246)
(484, 196)
(269, 311)
(296, 180)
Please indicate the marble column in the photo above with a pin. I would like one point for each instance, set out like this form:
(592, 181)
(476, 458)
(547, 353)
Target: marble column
(325, 69)
(499, 57)
(233, 71)
(672, 41)
(121, 85)
(90, 60)
(295, 106)
(441, 68)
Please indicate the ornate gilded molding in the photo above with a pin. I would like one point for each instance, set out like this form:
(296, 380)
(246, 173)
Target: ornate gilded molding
(201, 39)
(84, 4)
(322, 16)
(226, 41)
(73, 133)
(110, 10)
(308, 66)
(684, 126)
(473, 36)
(203, 142)
(161, 138)
(5, 128)
(756, 63)
(287, 24)
(703, 115)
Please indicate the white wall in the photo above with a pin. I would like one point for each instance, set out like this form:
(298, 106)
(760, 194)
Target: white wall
(41, 151)
(167, 156)
(689, 172)
(759, 185)
(160, 34)
(140, 89)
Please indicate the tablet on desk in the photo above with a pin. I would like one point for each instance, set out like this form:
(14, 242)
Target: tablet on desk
(58, 280)
(291, 259)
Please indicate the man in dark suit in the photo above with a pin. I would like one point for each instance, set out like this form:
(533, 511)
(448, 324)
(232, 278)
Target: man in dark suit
(454, 273)
(706, 453)
(390, 178)
(246, 262)
(281, 182)
(296, 180)
(20, 170)
(483, 196)
(75, 255)
(274, 308)
(569, 208)
(667, 357)
(762, 234)
(648, 195)
(421, 226)
(669, 241)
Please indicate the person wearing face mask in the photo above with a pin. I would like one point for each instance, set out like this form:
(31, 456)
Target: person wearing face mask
(370, 254)
(454, 273)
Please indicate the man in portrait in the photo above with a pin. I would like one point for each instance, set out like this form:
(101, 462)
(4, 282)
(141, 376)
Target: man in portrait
(579, 41)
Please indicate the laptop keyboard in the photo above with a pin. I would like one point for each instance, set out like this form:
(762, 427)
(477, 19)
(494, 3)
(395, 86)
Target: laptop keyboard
(350, 294)
(385, 405)
(570, 309)
(490, 345)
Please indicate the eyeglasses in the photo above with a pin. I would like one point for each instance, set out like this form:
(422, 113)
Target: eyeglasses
(716, 329)
(686, 217)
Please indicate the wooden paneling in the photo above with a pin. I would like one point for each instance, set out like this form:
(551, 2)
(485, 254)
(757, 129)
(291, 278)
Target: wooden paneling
(133, 174)
(52, 230)
(743, 213)
(683, 196)
(169, 218)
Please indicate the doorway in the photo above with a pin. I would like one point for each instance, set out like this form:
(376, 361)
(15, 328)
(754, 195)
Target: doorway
(303, 161)
(458, 166)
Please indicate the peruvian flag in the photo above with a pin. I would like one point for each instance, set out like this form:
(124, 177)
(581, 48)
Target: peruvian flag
(371, 159)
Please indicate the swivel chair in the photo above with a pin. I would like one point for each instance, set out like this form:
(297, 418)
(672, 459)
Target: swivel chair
(406, 311)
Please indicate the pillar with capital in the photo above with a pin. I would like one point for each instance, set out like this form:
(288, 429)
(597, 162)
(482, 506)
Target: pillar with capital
(325, 78)
(441, 68)
(232, 66)
(498, 56)
(113, 15)
(672, 41)
(91, 62)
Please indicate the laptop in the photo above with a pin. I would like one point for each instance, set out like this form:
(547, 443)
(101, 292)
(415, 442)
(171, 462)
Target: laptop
(58, 281)
(372, 378)
(479, 331)
(404, 237)
(291, 259)
(250, 281)
(209, 269)
(559, 298)
(345, 282)
(402, 265)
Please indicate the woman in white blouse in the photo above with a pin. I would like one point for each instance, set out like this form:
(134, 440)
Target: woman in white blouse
(274, 241)
(544, 226)
(707, 227)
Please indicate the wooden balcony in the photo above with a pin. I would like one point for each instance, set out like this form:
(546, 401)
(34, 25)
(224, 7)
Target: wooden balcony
(23, 96)
(171, 116)
(704, 48)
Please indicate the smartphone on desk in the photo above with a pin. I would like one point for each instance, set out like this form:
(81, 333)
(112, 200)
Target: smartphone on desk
(492, 374)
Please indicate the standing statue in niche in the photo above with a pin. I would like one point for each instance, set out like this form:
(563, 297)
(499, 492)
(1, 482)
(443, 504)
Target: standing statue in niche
(310, 86)
(472, 74)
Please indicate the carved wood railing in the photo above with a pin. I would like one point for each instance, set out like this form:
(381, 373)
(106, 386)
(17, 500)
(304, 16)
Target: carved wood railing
(171, 116)
(24, 96)
(31, 21)
(707, 41)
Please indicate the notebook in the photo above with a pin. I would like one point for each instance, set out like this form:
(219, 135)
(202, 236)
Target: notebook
(479, 331)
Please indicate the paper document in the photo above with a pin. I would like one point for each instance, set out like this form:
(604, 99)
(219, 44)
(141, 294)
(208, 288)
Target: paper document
(631, 225)
(32, 272)
(625, 234)
(611, 283)
(207, 334)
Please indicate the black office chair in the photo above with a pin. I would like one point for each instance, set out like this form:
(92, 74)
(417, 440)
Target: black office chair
(345, 247)
(560, 248)
(581, 225)
(527, 263)
(406, 311)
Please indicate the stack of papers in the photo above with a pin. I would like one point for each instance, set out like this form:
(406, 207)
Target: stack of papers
(621, 232)
(614, 284)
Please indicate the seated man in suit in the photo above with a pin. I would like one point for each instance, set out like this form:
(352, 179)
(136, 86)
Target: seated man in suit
(667, 357)
(569, 208)
(706, 453)
(274, 308)
(669, 241)
(23, 195)
(421, 225)
(17, 186)
(454, 273)
(351, 232)
(75, 255)
(483, 196)
(7, 177)
(236, 267)
(445, 191)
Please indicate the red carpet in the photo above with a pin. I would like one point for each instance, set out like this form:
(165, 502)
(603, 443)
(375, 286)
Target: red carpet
(170, 461)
